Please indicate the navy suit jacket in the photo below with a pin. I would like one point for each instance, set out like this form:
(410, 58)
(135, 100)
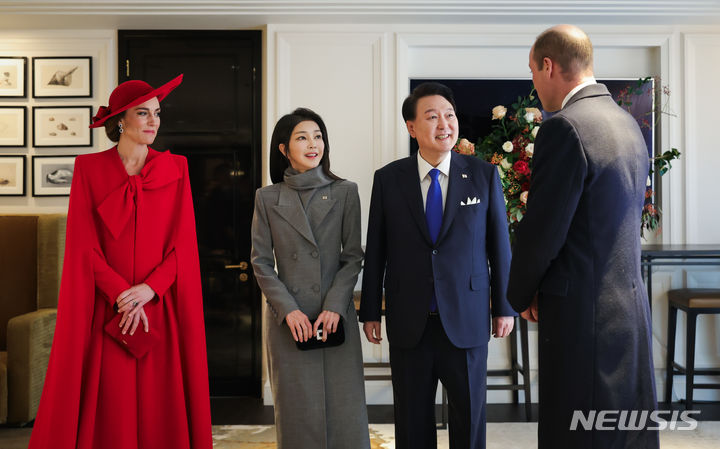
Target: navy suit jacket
(466, 268)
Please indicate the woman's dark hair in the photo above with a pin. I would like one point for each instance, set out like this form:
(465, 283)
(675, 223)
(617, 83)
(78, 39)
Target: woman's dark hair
(281, 134)
(425, 90)
(111, 127)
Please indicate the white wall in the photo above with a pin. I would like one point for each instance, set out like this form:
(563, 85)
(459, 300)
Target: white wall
(357, 76)
(98, 44)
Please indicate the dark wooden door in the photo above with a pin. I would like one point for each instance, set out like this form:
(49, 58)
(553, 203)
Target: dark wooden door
(214, 119)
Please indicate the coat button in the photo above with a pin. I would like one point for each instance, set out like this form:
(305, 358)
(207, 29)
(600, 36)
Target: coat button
(316, 288)
(434, 252)
(294, 256)
(315, 254)
(295, 289)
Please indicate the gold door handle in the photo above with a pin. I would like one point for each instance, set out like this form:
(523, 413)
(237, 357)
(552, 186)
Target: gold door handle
(242, 266)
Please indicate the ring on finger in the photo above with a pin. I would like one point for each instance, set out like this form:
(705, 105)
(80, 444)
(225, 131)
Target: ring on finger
(135, 303)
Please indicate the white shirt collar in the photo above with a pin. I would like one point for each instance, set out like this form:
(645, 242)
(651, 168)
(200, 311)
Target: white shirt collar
(424, 167)
(575, 90)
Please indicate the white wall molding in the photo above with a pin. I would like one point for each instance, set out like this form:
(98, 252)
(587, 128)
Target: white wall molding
(485, 9)
(702, 63)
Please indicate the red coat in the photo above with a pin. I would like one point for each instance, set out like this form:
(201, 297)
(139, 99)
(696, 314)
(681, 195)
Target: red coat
(124, 230)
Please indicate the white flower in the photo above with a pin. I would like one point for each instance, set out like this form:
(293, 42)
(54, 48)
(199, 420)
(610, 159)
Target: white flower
(501, 172)
(536, 114)
(498, 112)
(535, 131)
(530, 148)
(505, 164)
(529, 117)
(648, 182)
(507, 147)
(523, 197)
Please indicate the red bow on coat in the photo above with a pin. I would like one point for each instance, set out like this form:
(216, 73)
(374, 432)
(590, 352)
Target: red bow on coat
(117, 208)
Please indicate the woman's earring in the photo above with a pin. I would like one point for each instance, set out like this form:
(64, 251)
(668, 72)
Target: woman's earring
(120, 128)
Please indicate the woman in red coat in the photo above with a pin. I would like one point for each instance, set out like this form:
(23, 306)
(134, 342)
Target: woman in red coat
(128, 367)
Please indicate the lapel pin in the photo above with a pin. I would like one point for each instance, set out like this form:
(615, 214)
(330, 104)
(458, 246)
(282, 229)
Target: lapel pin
(464, 175)
(324, 197)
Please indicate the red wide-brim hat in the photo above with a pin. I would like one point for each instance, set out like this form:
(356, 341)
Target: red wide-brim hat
(132, 93)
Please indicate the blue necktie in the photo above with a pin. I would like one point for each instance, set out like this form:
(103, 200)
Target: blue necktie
(434, 215)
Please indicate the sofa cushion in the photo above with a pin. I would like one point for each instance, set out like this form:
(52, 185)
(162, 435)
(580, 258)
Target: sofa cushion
(50, 250)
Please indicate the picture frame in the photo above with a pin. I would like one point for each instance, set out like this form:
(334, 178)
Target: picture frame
(62, 77)
(13, 76)
(13, 126)
(52, 175)
(12, 175)
(61, 126)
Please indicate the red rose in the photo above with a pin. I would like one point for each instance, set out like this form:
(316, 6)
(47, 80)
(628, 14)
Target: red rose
(521, 167)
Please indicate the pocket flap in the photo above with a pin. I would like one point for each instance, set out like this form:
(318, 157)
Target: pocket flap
(479, 282)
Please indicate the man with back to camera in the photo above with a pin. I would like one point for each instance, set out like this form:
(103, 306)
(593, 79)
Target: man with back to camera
(438, 242)
(576, 263)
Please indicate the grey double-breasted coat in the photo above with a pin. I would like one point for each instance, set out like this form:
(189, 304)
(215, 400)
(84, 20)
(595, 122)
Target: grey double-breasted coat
(309, 259)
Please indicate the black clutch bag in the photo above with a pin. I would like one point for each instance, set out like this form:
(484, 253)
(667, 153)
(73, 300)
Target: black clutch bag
(315, 342)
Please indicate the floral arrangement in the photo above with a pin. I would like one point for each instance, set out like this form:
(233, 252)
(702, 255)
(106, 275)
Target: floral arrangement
(510, 146)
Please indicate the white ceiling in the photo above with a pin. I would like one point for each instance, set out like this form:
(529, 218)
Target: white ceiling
(246, 13)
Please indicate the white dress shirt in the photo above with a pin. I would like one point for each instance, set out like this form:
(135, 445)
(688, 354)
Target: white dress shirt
(575, 90)
(424, 172)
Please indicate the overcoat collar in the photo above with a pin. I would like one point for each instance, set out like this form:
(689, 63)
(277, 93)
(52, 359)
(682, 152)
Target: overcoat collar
(457, 187)
(593, 90)
(290, 208)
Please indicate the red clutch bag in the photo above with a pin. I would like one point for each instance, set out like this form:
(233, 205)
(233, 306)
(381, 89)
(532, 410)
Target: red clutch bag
(137, 344)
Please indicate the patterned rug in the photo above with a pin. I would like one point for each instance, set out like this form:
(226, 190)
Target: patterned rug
(263, 437)
(499, 436)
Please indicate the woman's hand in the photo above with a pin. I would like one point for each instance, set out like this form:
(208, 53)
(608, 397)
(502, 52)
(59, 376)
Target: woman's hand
(330, 320)
(131, 323)
(299, 325)
(134, 298)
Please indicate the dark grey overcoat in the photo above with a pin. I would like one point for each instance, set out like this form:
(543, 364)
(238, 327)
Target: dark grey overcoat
(309, 259)
(579, 247)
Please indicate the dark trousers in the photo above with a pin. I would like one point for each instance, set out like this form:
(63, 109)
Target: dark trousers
(415, 375)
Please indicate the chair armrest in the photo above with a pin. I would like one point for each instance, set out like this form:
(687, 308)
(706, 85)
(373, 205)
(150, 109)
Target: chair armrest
(29, 339)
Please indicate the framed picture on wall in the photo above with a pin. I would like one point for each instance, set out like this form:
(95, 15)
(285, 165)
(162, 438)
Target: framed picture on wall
(13, 128)
(52, 175)
(62, 126)
(62, 77)
(13, 76)
(12, 175)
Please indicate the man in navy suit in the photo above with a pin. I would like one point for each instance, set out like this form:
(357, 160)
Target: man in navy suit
(576, 262)
(438, 242)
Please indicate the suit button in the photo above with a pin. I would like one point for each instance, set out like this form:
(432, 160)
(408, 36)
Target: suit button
(295, 289)
(434, 252)
(294, 256)
(314, 254)
(316, 288)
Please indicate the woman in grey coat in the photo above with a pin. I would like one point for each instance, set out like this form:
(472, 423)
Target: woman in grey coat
(306, 256)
